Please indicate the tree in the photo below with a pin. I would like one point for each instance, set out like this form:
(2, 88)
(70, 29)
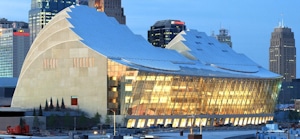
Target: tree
(107, 120)
(62, 104)
(57, 105)
(51, 104)
(36, 123)
(34, 113)
(97, 118)
(46, 106)
(40, 111)
(125, 120)
(68, 121)
(293, 115)
(51, 121)
(82, 121)
(22, 122)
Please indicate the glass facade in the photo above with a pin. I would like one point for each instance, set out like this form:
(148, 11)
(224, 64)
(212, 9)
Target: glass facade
(149, 98)
(6, 52)
(14, 45)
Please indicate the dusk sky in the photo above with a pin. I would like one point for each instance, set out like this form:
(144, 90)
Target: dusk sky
(250, 22)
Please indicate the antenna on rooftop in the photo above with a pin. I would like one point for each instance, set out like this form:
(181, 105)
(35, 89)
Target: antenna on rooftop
(281, 23)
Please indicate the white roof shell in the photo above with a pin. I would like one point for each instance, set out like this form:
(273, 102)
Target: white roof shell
(189, 53)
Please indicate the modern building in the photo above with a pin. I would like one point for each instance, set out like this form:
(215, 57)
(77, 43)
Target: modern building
(289, 92)
(105, 68)
(112, 8)
(42, 11)
(4, 23)
(83, 2)
(282, 53)
(163, 31)
(224, 37)
(14, 45)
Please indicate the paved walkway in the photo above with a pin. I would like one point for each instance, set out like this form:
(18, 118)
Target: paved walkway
(206, 134)
(162, 135)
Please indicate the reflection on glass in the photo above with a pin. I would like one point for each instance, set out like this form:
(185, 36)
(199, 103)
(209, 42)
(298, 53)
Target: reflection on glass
(136, 93)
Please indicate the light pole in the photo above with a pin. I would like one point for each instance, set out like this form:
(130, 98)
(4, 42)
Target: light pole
(114, 121)
(74, 123)
(200, 126)
(192, 118)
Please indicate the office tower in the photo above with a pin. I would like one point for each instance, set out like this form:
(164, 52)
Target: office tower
(282, 52)
(112, 8)
(14, 45)
(289, 92)
(163, 31)
(42, 11)
(224, 37)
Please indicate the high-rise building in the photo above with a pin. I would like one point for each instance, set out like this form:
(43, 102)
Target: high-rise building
(289, 92)
(14, 45)
(224, 37)
(112, 8)
(163, 31)
(42, 11)
(282, 52)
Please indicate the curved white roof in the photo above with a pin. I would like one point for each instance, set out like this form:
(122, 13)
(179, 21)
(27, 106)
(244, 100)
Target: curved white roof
(189, 53)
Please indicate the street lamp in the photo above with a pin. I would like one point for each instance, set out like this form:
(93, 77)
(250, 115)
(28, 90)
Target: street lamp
(200, 126)
(74, 123)
(114, 121)
(192, 123)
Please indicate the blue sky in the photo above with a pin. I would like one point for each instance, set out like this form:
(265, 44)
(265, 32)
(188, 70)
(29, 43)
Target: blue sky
(250, 22)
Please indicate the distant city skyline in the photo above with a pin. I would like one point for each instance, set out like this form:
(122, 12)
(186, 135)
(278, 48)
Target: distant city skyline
(250, 22)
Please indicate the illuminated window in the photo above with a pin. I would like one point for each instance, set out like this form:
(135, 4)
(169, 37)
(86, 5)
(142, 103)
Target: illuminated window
(128, 99)
(128, 87)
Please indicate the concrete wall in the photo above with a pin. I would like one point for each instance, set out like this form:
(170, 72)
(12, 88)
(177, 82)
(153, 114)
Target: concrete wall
(58, 65)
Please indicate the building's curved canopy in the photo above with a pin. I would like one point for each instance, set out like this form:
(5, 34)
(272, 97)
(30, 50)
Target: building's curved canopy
(190, 53)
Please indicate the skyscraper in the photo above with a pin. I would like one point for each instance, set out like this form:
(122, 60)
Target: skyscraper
(112, 8)
(224, 37)
(163, 31)
(14, 45)
(282, 52)
(42, 11)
